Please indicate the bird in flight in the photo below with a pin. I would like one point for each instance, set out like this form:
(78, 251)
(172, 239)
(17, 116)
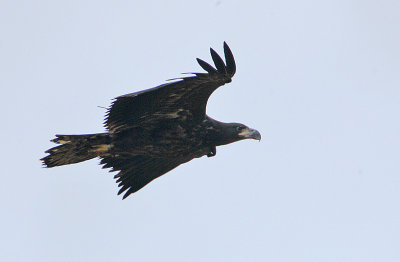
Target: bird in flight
(149, 133)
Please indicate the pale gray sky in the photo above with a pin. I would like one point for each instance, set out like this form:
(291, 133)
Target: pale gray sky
(319, 79)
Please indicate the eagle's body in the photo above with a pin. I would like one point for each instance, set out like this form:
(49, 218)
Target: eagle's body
(167, 139)
(153, 131)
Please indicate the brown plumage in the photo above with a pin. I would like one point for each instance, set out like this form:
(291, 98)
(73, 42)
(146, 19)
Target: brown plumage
(153, 131)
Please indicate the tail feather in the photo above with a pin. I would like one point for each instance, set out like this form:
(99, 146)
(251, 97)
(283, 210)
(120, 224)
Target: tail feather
(76, 148)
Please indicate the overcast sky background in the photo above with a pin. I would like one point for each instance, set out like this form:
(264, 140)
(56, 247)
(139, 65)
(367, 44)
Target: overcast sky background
(319, 79)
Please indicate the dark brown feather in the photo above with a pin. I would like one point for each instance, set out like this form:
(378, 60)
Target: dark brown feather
(206, 66)
(230, 60)
(186, 98)
(219, 63)
(138, 171)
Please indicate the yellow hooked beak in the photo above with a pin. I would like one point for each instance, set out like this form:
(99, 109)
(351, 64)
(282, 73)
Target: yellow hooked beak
(249, 133)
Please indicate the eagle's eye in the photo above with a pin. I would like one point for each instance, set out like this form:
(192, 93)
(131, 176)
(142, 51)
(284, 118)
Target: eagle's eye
(240, 128)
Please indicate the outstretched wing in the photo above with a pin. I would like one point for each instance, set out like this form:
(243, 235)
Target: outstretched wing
(185, 99)
(137, 171)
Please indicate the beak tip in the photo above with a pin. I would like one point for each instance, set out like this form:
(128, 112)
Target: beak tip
(250, 134)
(256, 135)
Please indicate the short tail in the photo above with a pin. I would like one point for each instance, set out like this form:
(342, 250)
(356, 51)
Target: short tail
(76, 148)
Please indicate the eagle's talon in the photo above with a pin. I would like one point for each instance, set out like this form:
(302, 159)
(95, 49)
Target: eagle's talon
(213, 152)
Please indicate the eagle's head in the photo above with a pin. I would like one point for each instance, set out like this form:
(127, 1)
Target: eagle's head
(233, 132)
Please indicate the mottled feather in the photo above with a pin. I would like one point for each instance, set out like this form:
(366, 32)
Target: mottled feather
(189, 93)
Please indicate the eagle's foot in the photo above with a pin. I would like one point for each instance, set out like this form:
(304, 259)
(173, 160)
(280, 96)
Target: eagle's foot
(213, 152)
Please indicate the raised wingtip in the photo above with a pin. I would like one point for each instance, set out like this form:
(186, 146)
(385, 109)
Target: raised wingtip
(219, 63)
(206, 66)
(230, 60)
(225, 68)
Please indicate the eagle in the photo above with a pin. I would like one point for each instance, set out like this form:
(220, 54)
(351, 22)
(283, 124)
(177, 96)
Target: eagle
(151, 132)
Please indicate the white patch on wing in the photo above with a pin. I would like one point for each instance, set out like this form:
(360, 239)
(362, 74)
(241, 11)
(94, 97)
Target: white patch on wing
(174, 114)
(100, 148)
(62, 142)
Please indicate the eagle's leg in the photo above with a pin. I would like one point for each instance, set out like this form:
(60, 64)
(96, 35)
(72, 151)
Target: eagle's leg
(213, 152)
